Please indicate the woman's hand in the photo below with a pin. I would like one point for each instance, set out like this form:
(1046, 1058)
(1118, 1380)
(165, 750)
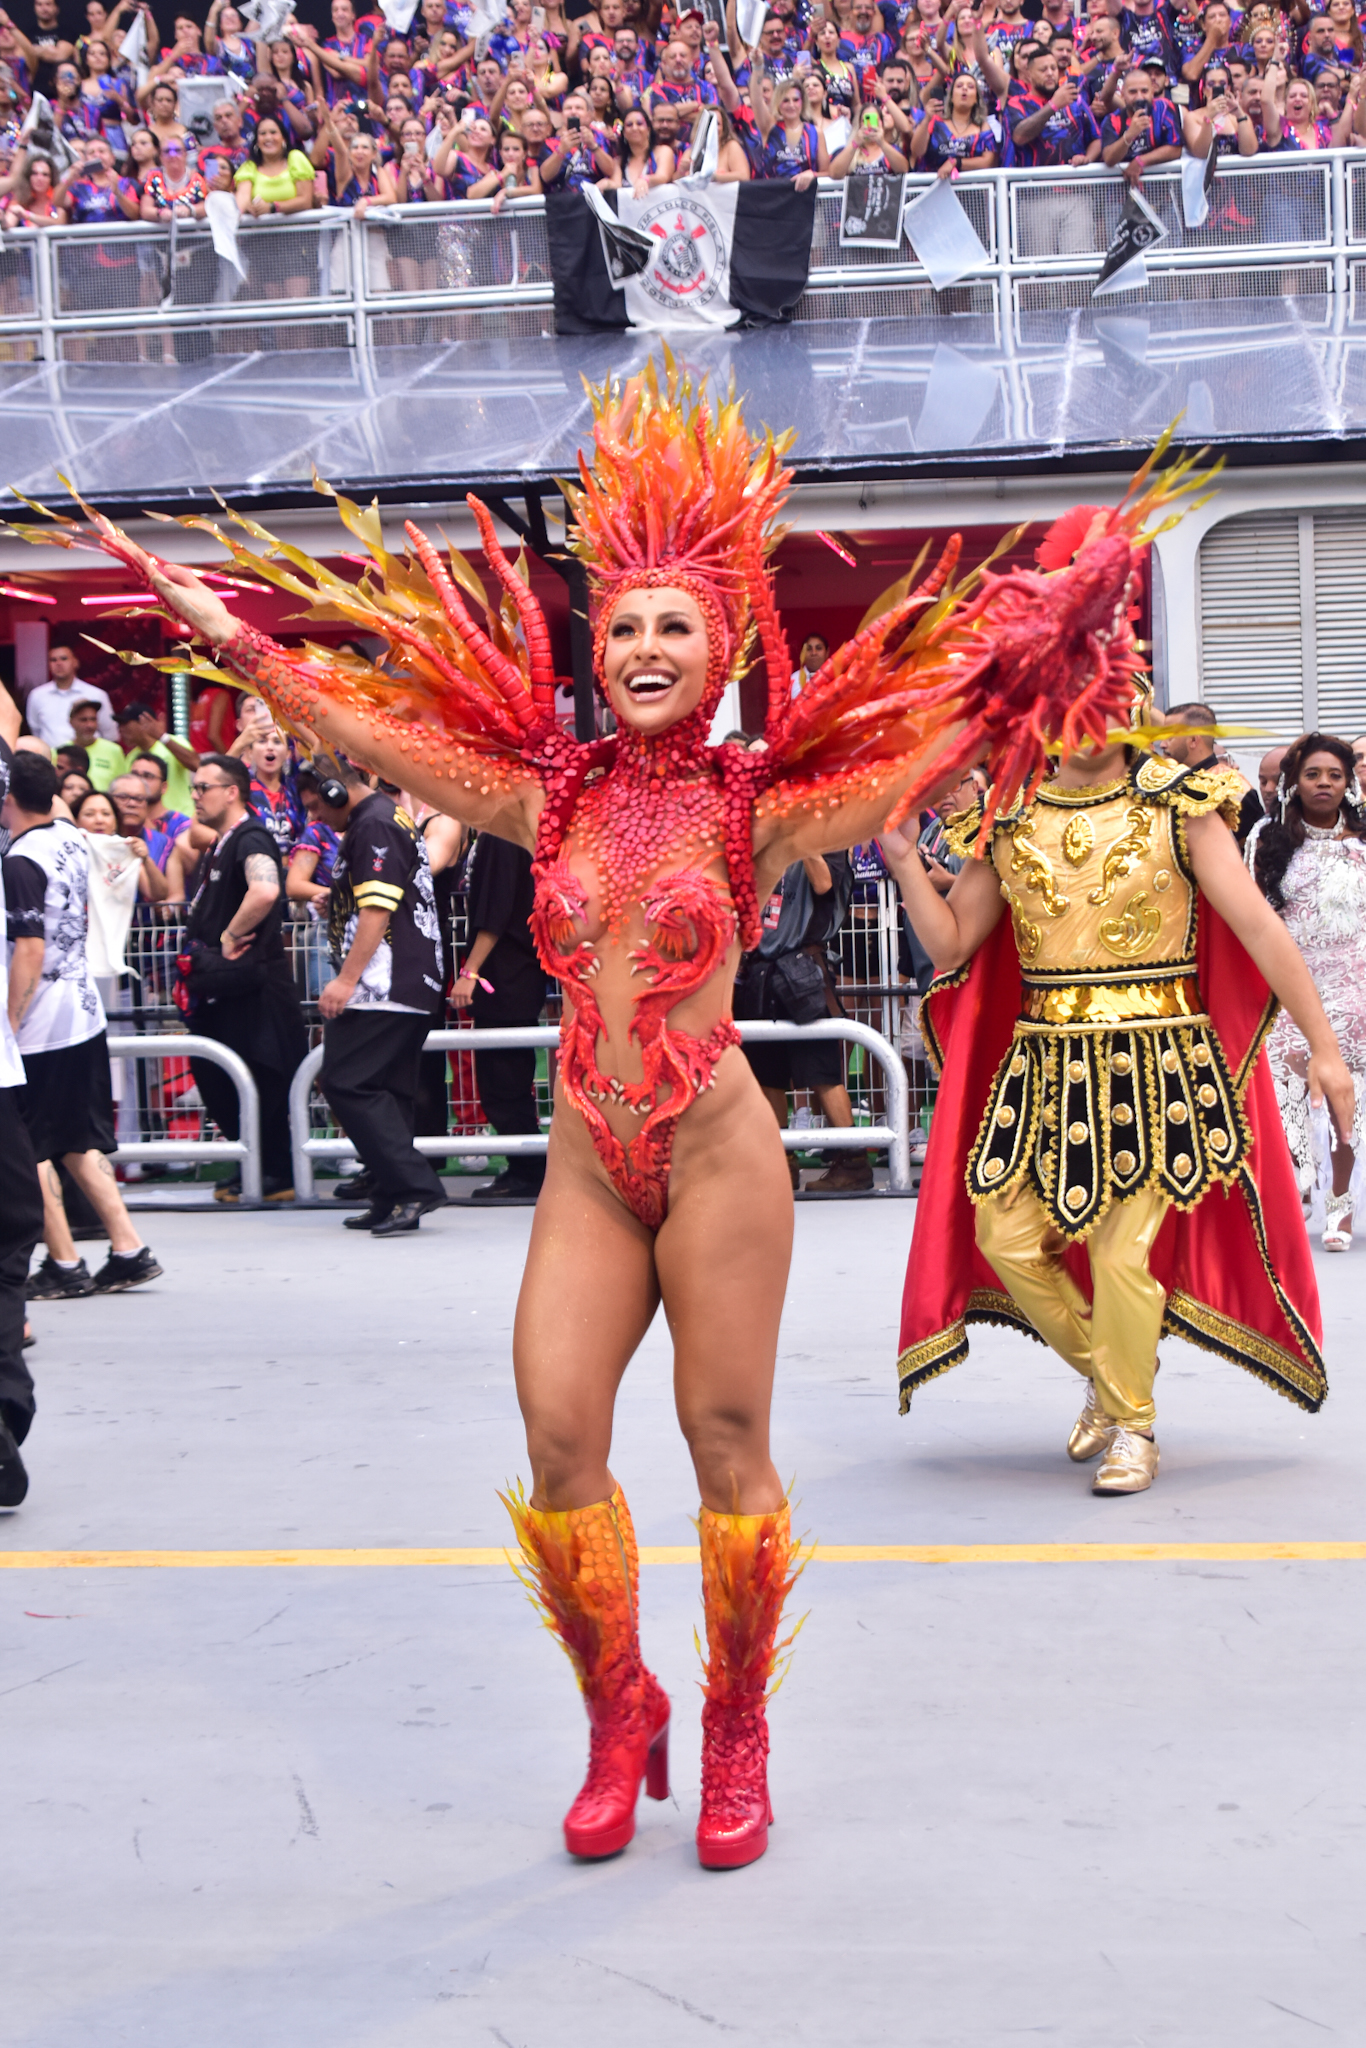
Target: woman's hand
(1330, 1078)
(178, 587)
(462, 990)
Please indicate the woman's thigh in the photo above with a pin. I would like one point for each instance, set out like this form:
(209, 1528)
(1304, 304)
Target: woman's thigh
(722, 1256)
(588, 1296)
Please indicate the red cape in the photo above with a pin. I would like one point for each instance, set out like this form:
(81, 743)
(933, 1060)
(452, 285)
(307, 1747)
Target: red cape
(1237, 1268)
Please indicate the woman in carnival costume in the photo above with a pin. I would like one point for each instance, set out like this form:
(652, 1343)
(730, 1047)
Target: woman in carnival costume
(1309, 861)
(653, 851)
(1107, 1163)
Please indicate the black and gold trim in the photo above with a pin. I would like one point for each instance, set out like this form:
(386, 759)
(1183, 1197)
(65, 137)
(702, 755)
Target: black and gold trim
(1192, 792)
(941, 982)
(1095, 1116)
(947, 1348)
(1301, 1380)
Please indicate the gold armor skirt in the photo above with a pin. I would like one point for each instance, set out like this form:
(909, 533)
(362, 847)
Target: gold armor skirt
(1095, 1114)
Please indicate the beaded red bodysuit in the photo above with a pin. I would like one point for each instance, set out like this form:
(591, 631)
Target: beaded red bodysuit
(678, 496)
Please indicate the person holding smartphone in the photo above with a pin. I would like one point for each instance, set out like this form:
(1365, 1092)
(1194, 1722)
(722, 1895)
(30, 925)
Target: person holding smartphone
(578, 156)
(1144, 131)
(1221, 124)
(868, 151)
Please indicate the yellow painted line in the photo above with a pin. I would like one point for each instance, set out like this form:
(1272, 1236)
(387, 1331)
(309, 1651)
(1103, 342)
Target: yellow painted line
(683, 1553)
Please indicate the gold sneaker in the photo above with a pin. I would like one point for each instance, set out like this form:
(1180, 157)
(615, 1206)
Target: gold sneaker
(1129, 1464)
(1091, 1431)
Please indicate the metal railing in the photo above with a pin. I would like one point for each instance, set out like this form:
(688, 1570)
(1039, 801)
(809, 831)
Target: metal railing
(165, 1107)
(892, 1135)
(1277, 227)
(246, 1149)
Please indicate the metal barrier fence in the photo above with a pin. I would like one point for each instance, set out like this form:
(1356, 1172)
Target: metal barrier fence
(892, 1135)
(164, 1114)
(246, 1149)
(128, 292)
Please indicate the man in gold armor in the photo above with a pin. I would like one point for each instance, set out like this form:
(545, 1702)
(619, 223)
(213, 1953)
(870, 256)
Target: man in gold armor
(1115, 1102)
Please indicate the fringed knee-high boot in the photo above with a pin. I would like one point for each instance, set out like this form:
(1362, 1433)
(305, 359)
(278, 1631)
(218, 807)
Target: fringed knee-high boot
(747, 1573)
(582, 1571)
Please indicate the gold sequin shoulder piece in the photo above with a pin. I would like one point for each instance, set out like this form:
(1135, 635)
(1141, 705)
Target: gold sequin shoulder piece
(961, 829)
(1194, 792)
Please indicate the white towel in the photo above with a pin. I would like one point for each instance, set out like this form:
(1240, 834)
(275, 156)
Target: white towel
(114, 867)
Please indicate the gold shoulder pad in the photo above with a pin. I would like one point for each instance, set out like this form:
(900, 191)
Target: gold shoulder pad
(961, 830)
(1210, 789)
(1154, 775)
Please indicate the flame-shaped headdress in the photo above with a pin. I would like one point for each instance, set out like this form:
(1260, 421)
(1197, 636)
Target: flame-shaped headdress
(678, 495)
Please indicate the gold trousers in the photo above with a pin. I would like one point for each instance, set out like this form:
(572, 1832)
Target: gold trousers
(1114, 1341)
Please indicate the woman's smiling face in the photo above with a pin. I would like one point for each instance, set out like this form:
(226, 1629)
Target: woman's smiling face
(655, 658)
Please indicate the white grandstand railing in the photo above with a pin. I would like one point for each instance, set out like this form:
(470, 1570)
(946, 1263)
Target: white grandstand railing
(1285, 226)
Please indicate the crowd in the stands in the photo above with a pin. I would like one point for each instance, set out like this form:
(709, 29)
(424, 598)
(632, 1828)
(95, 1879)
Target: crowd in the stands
(469, 104)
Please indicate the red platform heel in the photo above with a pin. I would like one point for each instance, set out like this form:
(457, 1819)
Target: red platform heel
(581, 1569)
(747, 1573)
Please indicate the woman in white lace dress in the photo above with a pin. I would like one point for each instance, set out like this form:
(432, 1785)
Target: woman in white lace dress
(1309, 860)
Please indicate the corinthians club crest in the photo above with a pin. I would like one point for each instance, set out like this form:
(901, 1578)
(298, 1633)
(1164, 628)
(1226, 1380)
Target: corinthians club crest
(688, 268)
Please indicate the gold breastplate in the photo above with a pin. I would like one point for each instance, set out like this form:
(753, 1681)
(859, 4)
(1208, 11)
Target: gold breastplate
(1103, 908)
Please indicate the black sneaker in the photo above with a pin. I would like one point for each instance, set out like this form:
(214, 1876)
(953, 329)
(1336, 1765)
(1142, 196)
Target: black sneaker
(13, 1477)
(126, 1269)
(52, 1282)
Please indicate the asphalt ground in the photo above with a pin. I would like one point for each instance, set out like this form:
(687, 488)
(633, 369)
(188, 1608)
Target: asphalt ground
(1105, 1799)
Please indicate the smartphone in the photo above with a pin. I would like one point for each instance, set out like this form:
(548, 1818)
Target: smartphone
(538, 19)
(802, 62)
(870, 119)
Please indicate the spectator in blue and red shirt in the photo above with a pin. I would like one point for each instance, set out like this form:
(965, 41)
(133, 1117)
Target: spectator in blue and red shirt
(274, 789)
(676, 84)
(580, 155)
(1048, 123)
(788, 146)
(343, 55)
(1292, 117)
(862, 44)
(184, 59)
(229, 146)
(1008, 28)
(1216, 45)
(1143, 131)
(1144, 30)
(1319, 51)
(959, 138)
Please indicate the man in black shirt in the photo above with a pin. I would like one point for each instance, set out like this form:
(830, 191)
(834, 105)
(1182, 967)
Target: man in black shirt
(787, 980)
(385, 996)
(238, 987)
(504, 982)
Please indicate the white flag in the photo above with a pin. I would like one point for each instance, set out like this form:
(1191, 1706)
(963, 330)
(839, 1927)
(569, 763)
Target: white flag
(749, 19)
(1197, 180)
(704, 148)
(40, 121)
(686, 283)
(133, 50)
(268, 17)
(399, 14)
(223, 217)
(942, 235)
